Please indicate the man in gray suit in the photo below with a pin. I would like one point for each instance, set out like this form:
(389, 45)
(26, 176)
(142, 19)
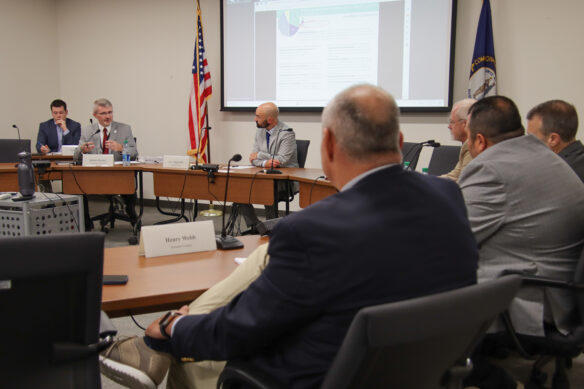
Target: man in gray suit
(274, 147)
(526, 209)
(275, 142)
(107, 137)
(555, 123)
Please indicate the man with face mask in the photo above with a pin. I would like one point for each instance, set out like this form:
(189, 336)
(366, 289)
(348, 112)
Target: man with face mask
(274, 147)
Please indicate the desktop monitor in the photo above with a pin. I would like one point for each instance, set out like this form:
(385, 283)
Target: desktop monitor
(9, 149)
(50, 299)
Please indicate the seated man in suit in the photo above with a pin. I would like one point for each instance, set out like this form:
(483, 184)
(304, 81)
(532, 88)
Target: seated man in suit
(107, 137)
(274, 146)
(526, 209)
(555, 123)
(456, 125)
(388, 235)
(58, 131)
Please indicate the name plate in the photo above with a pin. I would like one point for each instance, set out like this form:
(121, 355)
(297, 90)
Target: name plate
(178, 238)
(176, 161)
(98, 160)
(68, 149)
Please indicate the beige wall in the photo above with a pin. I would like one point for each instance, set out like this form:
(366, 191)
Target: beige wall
(138, 53)
(29, 58)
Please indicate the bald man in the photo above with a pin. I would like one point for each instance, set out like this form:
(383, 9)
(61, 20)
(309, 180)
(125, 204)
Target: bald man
(343, 253)
(274, 147)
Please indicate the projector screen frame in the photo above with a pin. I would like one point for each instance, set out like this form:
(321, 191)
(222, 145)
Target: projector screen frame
(413, 109)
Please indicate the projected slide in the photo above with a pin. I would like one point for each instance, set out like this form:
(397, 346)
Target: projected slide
(289, 22)
(335, 47)
(300, 53)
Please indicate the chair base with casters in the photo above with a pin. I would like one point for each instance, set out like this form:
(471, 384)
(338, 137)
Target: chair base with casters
(554, 345)
(422, 343)
(115, 212)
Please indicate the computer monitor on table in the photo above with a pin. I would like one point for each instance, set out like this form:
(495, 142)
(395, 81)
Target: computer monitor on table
(9, 149)
(50, 299)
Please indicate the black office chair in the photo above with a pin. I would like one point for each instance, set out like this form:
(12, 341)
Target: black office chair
(443, 160)
(411, 153)
(302, 153)
(422, 343)
(117, 211)
(9, 149)
(554, 344)
(50, 299)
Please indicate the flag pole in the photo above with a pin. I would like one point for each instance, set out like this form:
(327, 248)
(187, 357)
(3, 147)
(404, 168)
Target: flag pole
(211, 211)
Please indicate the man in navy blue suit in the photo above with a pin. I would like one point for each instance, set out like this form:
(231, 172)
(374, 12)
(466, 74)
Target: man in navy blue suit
(58, 131)
(388, 235)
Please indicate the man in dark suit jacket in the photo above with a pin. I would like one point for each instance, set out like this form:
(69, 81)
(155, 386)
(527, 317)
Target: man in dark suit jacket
(555, 123)
(58, 131)
(388, 235)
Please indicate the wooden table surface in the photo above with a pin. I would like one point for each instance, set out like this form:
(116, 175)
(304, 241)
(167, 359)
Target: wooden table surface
(161, 283)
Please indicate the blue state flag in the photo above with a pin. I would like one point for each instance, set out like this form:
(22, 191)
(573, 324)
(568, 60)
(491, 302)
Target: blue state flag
(483, 72)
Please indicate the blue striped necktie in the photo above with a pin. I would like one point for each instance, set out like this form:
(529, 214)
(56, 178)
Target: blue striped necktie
(268, 139)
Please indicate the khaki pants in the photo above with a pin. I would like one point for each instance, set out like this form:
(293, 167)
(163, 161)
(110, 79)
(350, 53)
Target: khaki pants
(204, 374)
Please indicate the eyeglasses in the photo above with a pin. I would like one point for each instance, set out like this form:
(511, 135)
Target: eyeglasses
(450, 122)
(104, 113)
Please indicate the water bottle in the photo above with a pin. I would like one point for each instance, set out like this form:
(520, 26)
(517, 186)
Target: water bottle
(126, 154)
(424, 170)
(406, 165)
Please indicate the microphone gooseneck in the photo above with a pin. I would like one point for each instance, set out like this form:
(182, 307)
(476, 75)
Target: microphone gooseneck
(17, 129)
(225, 242)
(271, 170)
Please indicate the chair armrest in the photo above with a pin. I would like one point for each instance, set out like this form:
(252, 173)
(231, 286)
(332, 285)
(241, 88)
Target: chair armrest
(551, 283)
(236, 373)
(532, 280)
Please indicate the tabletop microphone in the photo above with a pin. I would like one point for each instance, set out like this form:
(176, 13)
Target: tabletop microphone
(224, 241)
(17, 129)
(272, 170)
(431, 143)
(414, 153)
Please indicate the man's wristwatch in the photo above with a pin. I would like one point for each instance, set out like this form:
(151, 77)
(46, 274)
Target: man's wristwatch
(166, 320)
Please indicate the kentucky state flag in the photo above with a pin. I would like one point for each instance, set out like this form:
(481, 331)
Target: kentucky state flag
(483, 78)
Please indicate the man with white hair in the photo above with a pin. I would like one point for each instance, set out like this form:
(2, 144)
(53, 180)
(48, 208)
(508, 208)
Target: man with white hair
(456, 125)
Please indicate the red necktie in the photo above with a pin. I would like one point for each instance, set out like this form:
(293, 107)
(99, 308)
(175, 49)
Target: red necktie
(104, 148)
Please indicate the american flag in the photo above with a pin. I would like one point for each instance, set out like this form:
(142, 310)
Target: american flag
(200, 91)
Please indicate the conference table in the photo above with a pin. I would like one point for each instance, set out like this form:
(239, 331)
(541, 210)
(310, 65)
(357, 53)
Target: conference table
(9, 176)
(167, 282)
(246, 185)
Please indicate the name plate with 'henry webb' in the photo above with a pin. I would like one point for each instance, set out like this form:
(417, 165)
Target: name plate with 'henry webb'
(179, 238)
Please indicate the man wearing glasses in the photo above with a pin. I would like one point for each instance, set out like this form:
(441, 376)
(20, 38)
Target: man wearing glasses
(456, 126)
(107, 137)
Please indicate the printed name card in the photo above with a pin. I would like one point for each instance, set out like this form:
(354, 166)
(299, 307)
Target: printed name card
(98, 160)
(176, 161)
(178, 238)
(68, 149)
